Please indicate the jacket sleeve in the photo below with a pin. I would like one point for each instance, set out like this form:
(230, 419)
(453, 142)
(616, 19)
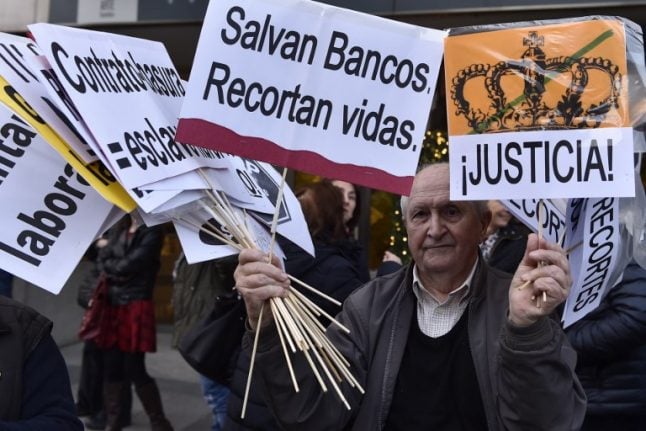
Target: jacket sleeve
(537, 385)
(310, 408)
(140, 255)
(47, 402)
(618, 325)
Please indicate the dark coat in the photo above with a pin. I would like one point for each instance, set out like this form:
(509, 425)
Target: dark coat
(131, 265)
(195, 288)
(611, 344)
(526, 374)
(35, 388)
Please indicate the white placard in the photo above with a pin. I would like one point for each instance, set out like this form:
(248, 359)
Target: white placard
(291, 221)
(49, 219)
(129, 95)
(594, 264)
(313, 87)
(18, 56)
(543, 164)
(532, 213)
(199, 246)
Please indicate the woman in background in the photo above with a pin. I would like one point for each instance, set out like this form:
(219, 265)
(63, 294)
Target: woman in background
(351, 215)
(130, 262)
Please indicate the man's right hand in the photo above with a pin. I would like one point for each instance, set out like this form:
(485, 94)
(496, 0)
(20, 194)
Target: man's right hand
(257, 281)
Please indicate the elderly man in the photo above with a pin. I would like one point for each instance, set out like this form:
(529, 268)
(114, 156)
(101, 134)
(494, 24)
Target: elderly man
(445, 343)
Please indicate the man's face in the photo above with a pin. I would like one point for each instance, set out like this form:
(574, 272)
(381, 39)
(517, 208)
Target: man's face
(443, 236)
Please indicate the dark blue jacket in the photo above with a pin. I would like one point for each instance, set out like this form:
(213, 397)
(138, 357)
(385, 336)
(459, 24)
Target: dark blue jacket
(35, 391)
(611, 346)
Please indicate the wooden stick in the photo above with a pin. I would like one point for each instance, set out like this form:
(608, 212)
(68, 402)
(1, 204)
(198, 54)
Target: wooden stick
(330, 365)
(316, 372)
(285, 352)
(524, 285)
(278, 205)
(341, 363)
(289, 322)
(313, 290)
(304, 311)
(281, 326)
(295, 316)
(332, 319)
(207, 231)
(253, 358)
(540, 221)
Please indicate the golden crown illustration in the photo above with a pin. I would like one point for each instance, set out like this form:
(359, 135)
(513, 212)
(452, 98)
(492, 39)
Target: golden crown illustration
(530, 110)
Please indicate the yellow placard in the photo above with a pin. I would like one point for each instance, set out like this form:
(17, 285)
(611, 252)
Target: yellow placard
(571, 75)
(95, 173)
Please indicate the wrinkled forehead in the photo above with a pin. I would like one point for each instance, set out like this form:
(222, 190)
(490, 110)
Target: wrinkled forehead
(432, 182)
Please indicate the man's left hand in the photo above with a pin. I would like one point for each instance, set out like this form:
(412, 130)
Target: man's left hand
(541, 282)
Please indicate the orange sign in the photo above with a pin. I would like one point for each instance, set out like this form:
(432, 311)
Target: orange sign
(571, 75)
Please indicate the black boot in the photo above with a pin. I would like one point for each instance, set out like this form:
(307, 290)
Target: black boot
(112, 396)
(126, 406)
(151, 400)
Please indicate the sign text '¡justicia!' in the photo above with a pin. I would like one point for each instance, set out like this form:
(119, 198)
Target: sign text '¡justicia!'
(561, 161)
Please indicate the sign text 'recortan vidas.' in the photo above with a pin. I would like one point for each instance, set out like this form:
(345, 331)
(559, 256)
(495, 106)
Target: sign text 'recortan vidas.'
(331, 91)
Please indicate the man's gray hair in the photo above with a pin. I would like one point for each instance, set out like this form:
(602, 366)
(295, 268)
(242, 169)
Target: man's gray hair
(480, 206)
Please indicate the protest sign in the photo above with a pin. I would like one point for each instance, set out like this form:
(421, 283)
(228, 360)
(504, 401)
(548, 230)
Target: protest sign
(129, 95)
(199, 246)
(255, 187)
(594, 266)
(535, 212)
(539, 111)
(313, 87)
(95, 173)
(46, 230)
(17, 56)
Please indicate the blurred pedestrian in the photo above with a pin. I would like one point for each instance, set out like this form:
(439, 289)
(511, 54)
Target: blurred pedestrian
(130, 262)
(89, 399)
(194, 287)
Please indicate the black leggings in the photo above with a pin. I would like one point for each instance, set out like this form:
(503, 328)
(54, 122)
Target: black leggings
(122, 366)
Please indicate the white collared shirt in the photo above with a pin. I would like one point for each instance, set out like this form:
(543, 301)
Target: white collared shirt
(434, 318)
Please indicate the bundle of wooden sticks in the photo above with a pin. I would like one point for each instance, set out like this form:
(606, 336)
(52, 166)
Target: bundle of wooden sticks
(296, 317)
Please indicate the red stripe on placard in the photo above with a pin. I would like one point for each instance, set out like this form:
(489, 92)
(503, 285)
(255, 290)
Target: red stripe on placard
(209, 135)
